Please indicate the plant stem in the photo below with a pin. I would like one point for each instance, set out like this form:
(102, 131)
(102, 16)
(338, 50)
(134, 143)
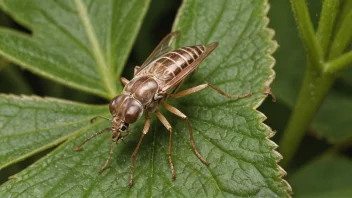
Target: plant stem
(339, 63)
(319, 75)
(345, 8)
(343, 36)
(326, 23)
(316, 83)
(313, 91)
(306, 28)
(342, 39)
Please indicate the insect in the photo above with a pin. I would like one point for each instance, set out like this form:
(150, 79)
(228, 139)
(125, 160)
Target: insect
(156, 80)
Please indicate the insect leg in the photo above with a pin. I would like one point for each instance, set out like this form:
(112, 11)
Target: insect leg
(203, 86)
(183, 116)
(134, 155)
(267, 91)
(124, 80)
(178, 87)
(98, 133)
(108, 160)
(168, 126)
(96, 117)
(175, 90)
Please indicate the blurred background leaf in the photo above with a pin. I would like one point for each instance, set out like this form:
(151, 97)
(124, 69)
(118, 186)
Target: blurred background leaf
(328, 176)
(73, 41)
(311, 173)
(290, 68)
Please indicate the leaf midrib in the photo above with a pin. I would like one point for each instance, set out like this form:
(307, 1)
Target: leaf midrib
(66, 32)
(103, 68)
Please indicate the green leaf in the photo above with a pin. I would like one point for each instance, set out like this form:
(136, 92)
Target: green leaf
(290, 68)
(326, 177)
(31, 124)
(228, 133)
(82, 44)
(346, 76)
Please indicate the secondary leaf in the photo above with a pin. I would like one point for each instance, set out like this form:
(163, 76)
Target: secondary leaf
(346, 76)
(12, 78)
(82, 44)
(229, 134)
(290, 70)
(326, 177)
(31, 124)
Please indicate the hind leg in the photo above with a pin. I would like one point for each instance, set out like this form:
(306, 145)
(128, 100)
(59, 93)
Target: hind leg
(203, 86)
(168, 126)
(183, 116)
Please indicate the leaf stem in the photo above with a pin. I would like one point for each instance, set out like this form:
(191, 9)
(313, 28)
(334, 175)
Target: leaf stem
(343, 36)
(317, 81)
(326, 23)
(313, 91)
(345, 7)
(306, 28)
(105, 73)
(339, 63)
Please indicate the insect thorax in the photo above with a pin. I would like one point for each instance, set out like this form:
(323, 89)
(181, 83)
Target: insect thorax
(142, 88)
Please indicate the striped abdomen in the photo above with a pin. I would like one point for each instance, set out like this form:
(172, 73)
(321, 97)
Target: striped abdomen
(172, 63)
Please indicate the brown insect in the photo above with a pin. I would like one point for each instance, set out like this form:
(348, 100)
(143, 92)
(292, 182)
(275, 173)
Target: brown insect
(158, 79)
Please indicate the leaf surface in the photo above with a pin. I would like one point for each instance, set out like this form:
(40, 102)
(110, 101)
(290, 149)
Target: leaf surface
(31, 124)
(82, 44)
(228, 133)
(290, 69)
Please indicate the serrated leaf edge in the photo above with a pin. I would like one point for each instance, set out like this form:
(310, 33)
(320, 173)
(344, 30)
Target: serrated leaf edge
(269, 55)
(45, 74)
(56, 141)
(270, 39)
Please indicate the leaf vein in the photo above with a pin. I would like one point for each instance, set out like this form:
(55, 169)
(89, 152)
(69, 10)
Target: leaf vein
(104, 70)
(66, 32)
(60, 181)
(230, 52)
(44, 129)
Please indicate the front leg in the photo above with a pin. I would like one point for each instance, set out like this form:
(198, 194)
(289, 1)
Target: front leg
(134, 155)
(124, 81)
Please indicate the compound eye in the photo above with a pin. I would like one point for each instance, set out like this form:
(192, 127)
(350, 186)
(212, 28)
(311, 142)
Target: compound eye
(133, 111)
(115, 103)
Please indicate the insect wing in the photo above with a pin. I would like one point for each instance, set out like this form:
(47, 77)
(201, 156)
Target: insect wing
(163, 47)
(184, 73)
